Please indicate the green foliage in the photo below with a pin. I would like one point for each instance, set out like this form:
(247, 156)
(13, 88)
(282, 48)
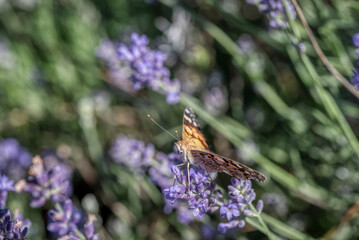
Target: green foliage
(55, 93)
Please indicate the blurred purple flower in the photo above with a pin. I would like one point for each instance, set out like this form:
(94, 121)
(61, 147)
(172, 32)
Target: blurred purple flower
(147, 66)
(355, 40)
(132, 153)
(14, 159)
(6, 185)
(260, 206)
(89, 228)
(107, 52)
(14, 228)
(215, 100)
(208, 232)
(246, 44)
(224, 227)
(46, 181)
(66, 222)
(63, 219)
(355, 79)
(275, 11)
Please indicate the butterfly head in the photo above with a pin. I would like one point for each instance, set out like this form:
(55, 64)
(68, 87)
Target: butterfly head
(180, 147)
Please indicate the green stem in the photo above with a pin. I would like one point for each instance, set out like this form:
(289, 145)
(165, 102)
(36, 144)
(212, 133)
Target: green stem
(265, 227)
(283, 229)
(330, 105)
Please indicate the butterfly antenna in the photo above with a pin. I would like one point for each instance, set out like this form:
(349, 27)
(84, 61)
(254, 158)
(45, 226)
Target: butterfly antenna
(148, 115)
(177, 134)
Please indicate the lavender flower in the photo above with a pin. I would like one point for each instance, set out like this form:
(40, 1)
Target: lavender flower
(46, 181)
(116, 71)
(246, 44)
(65, 222)
(147, 65)
(14, 159)
(6, 185)
(131, 153)
(355, 79)
(355, 40)
(215, 100)
(90, 228)
(63, 219)
(224, 227)
(203, 197)
(275, 10)
(15, 228)
(229, 210)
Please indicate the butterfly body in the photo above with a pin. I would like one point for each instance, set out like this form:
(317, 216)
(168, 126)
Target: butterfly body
(195, 150)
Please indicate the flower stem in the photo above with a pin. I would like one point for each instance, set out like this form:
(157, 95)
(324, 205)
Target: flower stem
(269, 234)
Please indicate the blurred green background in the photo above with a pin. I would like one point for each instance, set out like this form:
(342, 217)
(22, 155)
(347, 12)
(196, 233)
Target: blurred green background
(276, 108)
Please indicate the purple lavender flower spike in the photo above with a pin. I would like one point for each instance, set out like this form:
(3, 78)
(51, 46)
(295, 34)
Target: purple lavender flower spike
(177, 173)
(148, 68)
(275, 10)
(64, 219)
(6, 185)
(355, 79)
(107, 52)
(132, 153)
(355, 40)
(90, 228)
(224, 227)
(46, 182)
(259, 206)
(14, 159)
(13, 228)
(65, 222)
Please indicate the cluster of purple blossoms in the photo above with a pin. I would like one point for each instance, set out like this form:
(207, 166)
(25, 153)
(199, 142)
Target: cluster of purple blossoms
(13, 228)
(146, 65)
(203, 197)
(66, 222)
(46, 180)
(6, 185)
(14, 159)
(276, 12)
(355, 79)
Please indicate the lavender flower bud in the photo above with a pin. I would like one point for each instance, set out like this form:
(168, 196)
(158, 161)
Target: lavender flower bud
(6, 185)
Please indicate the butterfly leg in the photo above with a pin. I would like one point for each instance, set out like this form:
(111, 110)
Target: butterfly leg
(188, 176)
(178, 165)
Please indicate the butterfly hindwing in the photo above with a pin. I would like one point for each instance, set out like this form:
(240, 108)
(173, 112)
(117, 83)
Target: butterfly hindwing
(191, 131)
(214, 163)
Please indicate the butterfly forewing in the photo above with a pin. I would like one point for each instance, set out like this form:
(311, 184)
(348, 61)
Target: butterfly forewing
(191, 131)
(214, 163)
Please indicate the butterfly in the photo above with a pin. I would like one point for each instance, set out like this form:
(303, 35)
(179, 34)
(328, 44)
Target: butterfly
(195, 150)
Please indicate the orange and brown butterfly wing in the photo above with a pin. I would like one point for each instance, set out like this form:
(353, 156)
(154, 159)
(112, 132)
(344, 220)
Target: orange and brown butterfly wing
(191, 131)
(214, 163)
